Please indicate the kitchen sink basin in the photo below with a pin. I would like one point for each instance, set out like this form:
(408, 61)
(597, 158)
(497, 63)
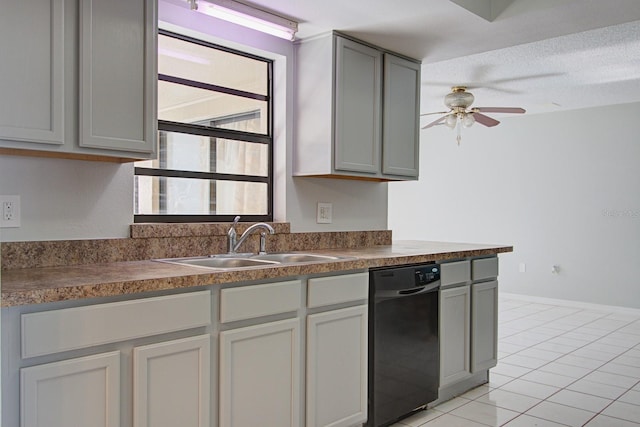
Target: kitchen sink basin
(220, 262)
(234, 261)
(286, 258)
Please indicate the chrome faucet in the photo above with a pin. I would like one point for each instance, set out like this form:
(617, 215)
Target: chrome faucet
(234, 242)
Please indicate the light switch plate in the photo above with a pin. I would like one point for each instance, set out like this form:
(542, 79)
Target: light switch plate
(324, 214)
(9, 211)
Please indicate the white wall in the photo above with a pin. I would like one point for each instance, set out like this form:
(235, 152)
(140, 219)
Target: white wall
(562, 188)
(65, 199)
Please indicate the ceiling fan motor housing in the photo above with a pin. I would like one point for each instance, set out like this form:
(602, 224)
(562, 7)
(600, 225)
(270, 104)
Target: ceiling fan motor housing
(459, 98)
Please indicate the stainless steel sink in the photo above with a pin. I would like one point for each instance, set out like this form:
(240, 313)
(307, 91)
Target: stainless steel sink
(244, 260)
(286, 258)
(219, 262)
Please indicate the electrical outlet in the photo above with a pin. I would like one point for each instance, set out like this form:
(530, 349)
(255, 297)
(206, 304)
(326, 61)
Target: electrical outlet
(10, 206)
(324, 214)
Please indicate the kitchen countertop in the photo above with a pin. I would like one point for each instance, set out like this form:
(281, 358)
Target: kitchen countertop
(50, 284)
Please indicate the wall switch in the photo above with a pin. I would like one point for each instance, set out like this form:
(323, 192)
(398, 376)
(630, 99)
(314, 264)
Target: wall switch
(10, 206)
(324, 214)
(522, 268)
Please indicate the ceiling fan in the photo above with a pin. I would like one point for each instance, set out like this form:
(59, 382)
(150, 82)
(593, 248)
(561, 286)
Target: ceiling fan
(459, 114)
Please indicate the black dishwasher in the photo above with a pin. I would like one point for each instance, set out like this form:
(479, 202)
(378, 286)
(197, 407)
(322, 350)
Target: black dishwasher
(404, 349)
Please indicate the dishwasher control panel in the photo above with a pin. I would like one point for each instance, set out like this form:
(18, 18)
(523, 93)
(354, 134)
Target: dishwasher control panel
(427, 274)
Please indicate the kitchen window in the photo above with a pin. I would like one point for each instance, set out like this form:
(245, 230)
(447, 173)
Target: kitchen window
(215, 136)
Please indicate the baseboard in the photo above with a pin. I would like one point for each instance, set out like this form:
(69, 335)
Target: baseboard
(571, 303)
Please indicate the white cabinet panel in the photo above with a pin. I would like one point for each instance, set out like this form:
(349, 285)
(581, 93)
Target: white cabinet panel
(117, 63)
(172, 383)
(454, 334)
(484, 325)
(66, 329)
(77, 392)
(324, 291)
(337, 367)
(248, 302)
(484, 268)
(400, 141)
(260, 375)
(32, 55)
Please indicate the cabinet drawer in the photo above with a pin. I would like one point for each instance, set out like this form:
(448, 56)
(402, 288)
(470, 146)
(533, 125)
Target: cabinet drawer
(248, 302)
(452, 273)
(484, 268)
(336, 289)
(79, 327)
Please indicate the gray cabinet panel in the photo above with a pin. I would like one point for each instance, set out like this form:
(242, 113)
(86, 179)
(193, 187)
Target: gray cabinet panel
(357, 113)
(484, 325)
(401, 121)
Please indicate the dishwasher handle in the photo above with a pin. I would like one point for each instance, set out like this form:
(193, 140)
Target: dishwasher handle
(386, 294)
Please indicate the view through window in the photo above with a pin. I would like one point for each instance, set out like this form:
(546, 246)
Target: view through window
(215, 142)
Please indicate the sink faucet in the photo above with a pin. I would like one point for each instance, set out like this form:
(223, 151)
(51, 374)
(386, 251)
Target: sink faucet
(234, 242)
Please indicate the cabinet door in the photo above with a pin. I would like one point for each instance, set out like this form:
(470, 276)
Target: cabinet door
(118, 74)
(32, 69)
(77, 392)
(484, 325)
(337, 367)
(358, 95)
(454, 334)
(400, 143)
(260, 375)
(172, 383)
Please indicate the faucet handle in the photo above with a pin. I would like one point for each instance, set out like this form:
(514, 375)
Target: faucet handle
(263, 243)
(235, 220)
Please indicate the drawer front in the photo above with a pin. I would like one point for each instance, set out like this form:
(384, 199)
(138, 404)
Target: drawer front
(452, 273)
(484, 268)
(54, 331)
(248, 302)
(337, 289)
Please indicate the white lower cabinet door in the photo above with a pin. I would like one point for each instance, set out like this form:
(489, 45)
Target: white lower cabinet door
(172, 383)
(484, 325)
(76, 392)
(337, 367)
(455, 334)
(260, 375)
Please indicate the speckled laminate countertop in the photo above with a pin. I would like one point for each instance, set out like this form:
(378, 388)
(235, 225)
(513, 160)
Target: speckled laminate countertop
(49, 284)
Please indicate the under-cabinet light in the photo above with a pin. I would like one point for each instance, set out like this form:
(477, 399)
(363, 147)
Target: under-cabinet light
(247, 16)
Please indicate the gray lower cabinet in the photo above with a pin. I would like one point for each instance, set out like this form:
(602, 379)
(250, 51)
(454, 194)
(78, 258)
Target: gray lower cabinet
(358, 111)
(72, 86)
(484, 325)
(289, 353)
(336, 394)
(455, 334)
(468, 319)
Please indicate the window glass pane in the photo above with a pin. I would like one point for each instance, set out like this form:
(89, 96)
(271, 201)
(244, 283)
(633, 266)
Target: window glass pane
(181, 151)
(187, 196)
(185, 104)
(203, 64)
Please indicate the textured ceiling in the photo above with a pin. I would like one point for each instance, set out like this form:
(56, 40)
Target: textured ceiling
(543, 55)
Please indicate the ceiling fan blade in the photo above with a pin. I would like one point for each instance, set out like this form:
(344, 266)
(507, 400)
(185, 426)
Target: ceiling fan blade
(435, 122)
(485, 120)
(501, 110)
(439, 112)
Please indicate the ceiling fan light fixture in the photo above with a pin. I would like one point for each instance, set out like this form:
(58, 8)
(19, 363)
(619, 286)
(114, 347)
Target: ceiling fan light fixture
(468, 120)
(451, 120)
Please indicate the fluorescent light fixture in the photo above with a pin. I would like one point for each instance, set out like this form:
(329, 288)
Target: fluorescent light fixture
(247, 16)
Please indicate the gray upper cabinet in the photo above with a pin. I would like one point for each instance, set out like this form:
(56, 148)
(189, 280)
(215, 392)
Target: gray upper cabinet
(357, 107)
(32, 71)
(357, 111)
(117, 89)
(400, 155)
(81, 79)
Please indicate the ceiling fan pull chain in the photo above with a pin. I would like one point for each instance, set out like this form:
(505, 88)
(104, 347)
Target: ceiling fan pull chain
(459, 135)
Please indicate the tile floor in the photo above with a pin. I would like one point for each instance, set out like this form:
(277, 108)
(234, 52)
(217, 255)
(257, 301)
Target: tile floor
(558, 366)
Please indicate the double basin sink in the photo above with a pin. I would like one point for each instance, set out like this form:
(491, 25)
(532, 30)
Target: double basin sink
(246, 260)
